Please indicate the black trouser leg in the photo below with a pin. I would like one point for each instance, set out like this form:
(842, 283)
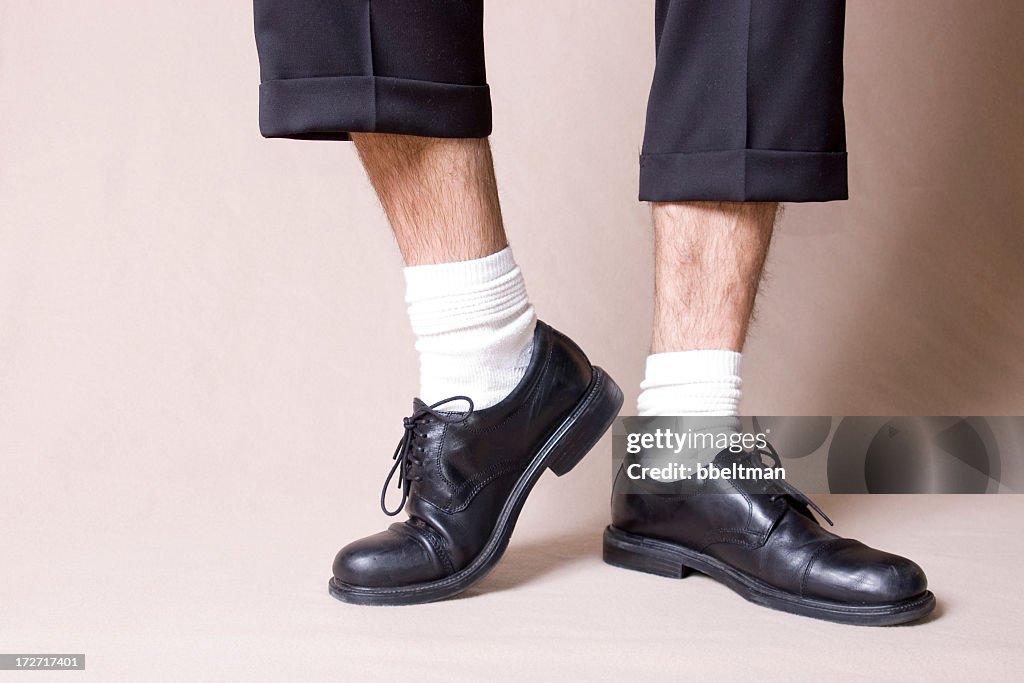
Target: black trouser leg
(746, 102)
(331, 67)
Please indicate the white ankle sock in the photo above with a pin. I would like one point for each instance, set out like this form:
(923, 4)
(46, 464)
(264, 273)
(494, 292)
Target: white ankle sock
(704, 385)
(474, 327)
(703, 382)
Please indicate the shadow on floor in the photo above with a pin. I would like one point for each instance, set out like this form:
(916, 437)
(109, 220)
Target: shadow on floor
(527, 561)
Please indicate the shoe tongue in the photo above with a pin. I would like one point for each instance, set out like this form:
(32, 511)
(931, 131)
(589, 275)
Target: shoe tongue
(726, 457)
(417, 404)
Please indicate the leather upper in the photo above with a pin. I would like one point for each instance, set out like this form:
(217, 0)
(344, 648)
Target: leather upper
(764, 531)
(464, 471)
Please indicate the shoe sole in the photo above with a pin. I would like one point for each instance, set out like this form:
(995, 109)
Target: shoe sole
(567, 445)
(652, 556)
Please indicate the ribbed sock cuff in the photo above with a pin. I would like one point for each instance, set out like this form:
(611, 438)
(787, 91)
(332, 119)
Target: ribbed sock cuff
(457, 275)
(699, 382)
(474, 327)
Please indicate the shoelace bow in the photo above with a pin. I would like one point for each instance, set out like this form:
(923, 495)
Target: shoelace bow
(409, 446)
(788, 489)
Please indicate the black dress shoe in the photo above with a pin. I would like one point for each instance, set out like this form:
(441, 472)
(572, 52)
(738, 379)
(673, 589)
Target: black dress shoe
(760, 538)
(465, 474)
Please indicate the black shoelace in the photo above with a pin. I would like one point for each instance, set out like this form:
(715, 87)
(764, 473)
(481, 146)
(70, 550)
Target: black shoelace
(409, 453)
(787, 488)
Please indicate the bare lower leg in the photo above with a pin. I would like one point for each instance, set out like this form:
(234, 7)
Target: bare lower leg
(439, 195)
(707, 266)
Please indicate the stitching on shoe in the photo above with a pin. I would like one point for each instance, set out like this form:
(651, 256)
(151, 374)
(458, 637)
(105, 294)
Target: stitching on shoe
(476, 489)
(438, 545)
(497, 469)
(506, 467)
(427, 534)
(723, 536)
(814, 558)
(533, 390)
(454, 488)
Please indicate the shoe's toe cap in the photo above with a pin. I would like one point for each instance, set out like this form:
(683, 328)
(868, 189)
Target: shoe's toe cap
(856, 573)
(394, 557)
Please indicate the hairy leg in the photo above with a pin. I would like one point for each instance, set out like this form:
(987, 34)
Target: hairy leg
(466, 296)
(708, 261)
(439, 195)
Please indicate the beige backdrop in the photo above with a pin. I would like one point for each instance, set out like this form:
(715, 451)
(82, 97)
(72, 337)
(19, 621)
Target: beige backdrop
(204, 356)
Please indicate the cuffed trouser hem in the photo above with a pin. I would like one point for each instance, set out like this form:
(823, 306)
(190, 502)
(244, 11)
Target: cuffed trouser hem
(329, 108)
(744, 175)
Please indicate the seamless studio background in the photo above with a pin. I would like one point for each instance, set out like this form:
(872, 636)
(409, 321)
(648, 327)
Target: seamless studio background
(204, 356)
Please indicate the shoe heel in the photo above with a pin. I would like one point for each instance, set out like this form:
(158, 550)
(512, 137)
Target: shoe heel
(592, 418)
(620, 553)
